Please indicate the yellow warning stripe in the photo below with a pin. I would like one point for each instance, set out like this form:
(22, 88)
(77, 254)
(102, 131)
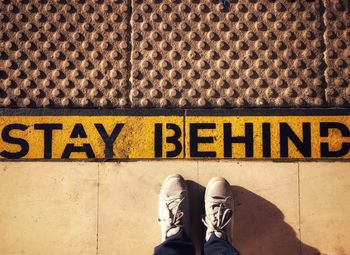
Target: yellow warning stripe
(152, 137)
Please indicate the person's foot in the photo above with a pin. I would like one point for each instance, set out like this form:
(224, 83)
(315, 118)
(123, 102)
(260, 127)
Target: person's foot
(218, 208)
(173, 199)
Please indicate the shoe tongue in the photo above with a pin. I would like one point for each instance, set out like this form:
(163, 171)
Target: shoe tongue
(172, 232)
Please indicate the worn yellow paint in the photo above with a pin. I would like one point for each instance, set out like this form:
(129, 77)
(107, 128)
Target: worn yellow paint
(136, 139)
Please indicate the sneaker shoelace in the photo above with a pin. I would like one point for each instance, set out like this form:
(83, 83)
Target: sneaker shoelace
(175, 214)
(219, 217)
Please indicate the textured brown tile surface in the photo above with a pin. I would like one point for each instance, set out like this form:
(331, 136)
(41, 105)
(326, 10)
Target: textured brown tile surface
(244, 53)
(181, 53)
(337, 37)
(64, 53)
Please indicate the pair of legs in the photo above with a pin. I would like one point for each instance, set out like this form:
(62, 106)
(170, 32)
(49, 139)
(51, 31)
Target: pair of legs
(173, 218)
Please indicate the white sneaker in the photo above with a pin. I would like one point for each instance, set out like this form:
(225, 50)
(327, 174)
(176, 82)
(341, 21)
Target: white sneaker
(173, 206)
(218, 208)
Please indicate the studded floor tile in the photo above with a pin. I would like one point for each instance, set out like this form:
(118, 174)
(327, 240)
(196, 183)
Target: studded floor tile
(64, 53)
(180, 53)
(337, 38)
(241, 53)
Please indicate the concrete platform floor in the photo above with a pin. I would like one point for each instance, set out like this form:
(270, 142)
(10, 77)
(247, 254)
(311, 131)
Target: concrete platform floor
(111, 208)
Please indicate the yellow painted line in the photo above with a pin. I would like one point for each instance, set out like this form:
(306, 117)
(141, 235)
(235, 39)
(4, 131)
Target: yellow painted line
(152, 137)
(276, 137)
(79, 137)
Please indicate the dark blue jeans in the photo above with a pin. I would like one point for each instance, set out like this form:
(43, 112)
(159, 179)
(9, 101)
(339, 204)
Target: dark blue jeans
(181, 244)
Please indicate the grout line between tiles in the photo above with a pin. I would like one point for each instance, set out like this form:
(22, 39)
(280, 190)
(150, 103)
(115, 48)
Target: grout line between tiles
(300, 240)
(198, 189)
(98, 208)
(324, 47)
(128, 61)
(197, 171)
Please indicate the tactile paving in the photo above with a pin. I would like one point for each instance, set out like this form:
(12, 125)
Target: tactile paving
(211, 53)
(178, 53)
(337, 38)
(64, 53)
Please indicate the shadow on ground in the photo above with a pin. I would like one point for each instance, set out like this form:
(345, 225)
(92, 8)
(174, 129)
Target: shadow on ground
(259, 226)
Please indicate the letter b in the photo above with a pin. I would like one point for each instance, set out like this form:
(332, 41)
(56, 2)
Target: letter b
(174, 139)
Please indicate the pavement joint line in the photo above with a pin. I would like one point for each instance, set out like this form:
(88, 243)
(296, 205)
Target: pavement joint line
(299, 203)
(98, 209)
